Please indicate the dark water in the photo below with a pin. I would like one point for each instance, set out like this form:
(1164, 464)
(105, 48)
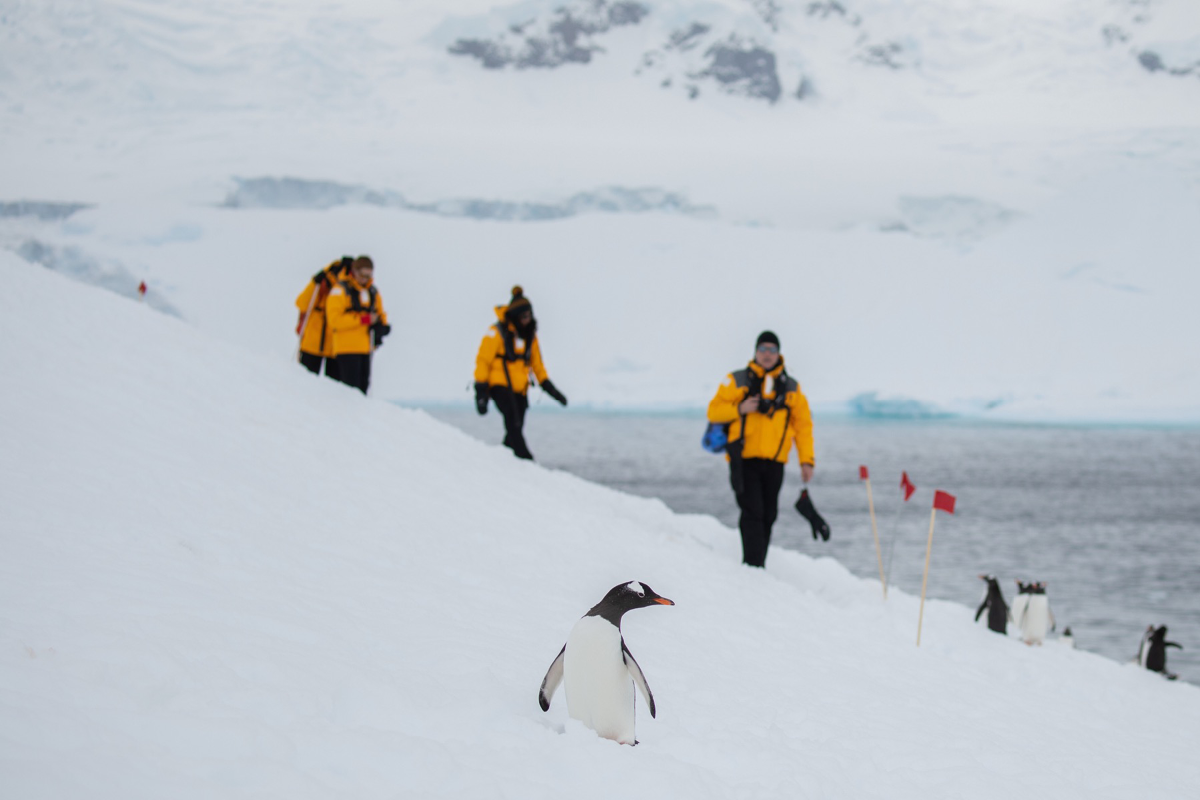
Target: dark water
(1108, 517)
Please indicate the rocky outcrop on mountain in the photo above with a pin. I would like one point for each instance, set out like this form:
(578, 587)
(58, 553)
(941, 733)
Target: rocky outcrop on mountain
(893, 55)
(736, 65)
(566, 36)
(1164, 54)
(742, 67)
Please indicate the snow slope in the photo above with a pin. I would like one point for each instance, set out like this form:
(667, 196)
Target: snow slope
(221, 576)
(986, 207)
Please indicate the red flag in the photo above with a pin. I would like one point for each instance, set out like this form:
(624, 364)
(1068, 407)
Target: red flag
(862, 474)
(943, 501)
(142, 288)
(907, 486)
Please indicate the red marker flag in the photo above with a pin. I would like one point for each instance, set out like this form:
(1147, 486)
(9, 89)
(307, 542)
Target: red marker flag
(943, 501)
(142, 288)
(863, 474)
(907, 486)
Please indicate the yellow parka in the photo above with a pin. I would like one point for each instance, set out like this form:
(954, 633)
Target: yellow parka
(769, 435)
(348, 310)
(495, 365)
(315, 336)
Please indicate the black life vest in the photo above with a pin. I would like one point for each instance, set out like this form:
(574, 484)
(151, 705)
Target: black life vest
(510, 353)
(355, 296)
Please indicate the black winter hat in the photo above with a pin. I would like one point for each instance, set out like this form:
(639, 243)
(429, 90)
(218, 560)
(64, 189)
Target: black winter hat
(518, 304)
(767, 337)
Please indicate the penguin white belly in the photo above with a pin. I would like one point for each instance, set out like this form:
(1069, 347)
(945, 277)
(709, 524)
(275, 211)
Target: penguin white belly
(1017, 610)
(598, 684)
(1036, 619)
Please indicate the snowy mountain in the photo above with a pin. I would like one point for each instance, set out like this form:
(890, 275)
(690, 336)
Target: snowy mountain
(983, 208)
(221, 576)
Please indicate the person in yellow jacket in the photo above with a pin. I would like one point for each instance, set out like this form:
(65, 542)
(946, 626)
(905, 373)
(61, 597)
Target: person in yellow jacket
(316, 340)
(766, 413)
(507, 355)
(358, 323)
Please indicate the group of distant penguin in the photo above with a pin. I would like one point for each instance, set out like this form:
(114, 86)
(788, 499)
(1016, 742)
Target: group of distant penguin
(1030, 612)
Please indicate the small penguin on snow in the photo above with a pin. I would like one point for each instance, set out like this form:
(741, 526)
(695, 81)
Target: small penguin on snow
(1036, 618)
(1067, 637)
(598, 669)
(993, 601)
(1152, 654)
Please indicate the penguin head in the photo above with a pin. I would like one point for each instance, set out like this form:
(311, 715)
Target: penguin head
(1159, 634)
(992, 584)
(626, 597)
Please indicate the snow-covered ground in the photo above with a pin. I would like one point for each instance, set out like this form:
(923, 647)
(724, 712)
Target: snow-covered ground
(987, 208)
(220, 576)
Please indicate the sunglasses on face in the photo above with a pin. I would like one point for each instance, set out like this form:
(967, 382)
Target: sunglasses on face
(768, 348)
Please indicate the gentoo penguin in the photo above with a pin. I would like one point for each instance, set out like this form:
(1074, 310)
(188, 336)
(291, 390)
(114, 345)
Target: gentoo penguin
(1020, 603)
(993, 601)
(1067, 637)
(1036, 619)
(598, 668)
(1153, 652)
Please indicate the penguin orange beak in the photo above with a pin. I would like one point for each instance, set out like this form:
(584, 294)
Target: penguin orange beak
(664, 601)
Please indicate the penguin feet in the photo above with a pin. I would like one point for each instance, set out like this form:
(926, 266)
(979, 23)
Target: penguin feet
(807, 510)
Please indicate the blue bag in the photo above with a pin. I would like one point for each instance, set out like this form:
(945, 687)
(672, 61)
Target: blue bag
(716, 437)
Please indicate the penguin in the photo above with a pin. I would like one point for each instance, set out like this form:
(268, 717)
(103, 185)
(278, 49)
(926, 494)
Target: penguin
(1020, 603)
(993, 601)
(1037, 618)
(1152, 654)
(598, 669)
(1067, 637)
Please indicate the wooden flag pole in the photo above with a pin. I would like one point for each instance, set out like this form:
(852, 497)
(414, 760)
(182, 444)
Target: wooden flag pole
(875, 533)
(925, 579)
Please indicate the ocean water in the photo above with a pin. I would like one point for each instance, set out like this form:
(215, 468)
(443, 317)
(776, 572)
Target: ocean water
(1107, 517)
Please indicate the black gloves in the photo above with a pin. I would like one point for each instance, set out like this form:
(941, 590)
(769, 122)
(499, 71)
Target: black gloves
(807, 510)
(552, 390)
(481, 398)
(320, 277)
(380, 330)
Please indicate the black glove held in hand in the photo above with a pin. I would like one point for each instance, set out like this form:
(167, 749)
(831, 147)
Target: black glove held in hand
(481, 398)
(319, 277)
(552, 390)
(380, 330)
(807, 510)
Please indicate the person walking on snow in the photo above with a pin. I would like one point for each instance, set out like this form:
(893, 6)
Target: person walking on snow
(316, 340)
(358, 322)
(766, 412)
(508, 353)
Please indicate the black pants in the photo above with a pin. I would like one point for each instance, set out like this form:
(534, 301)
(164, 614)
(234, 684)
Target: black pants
(759, 501)
(354, 369)
(313, 364)
(513, 406)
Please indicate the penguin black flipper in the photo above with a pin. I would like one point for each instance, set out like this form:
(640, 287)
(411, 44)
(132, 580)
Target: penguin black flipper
(982, 606)
(553, 678)
(1172, 644)
(636, 673)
